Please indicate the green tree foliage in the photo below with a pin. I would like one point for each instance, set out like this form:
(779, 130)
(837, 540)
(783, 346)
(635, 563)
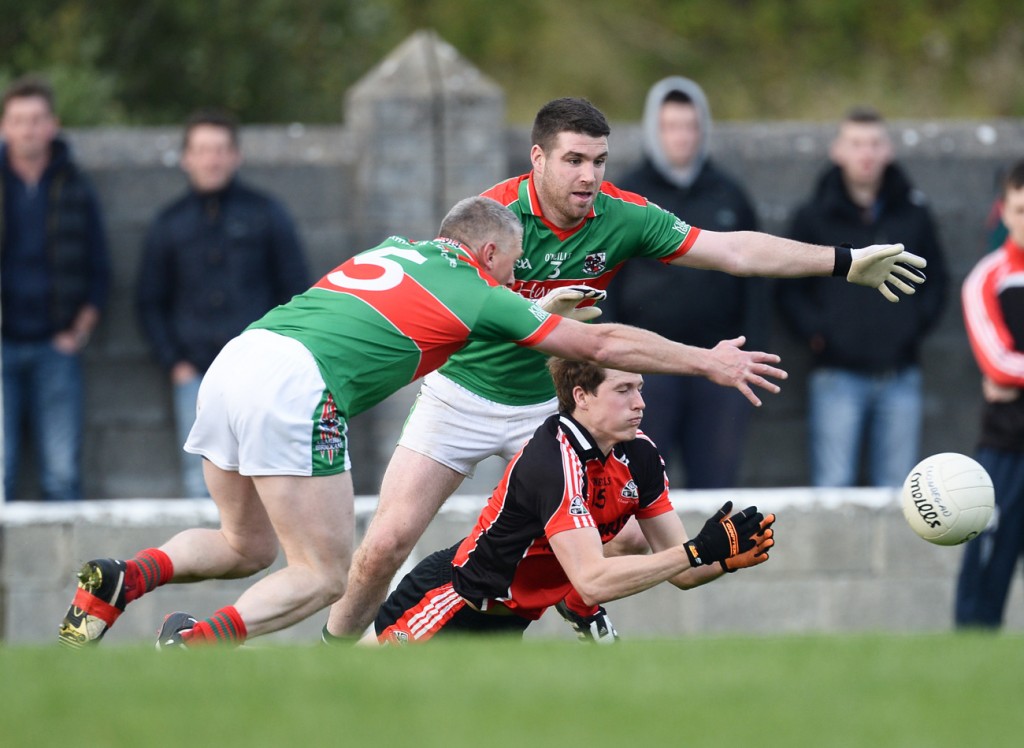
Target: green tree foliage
(152, 61)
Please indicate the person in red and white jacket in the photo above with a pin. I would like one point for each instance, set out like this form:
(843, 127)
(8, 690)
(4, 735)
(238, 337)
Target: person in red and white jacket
(993, 304)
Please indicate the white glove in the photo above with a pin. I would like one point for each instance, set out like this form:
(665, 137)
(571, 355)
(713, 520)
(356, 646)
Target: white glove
(563, 300)
(880, 264)
(596, 628)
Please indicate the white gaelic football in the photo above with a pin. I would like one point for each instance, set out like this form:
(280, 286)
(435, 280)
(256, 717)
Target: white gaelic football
(948, 498)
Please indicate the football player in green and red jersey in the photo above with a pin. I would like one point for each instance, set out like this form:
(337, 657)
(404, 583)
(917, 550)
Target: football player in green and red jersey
(273, 410)
(578, 229)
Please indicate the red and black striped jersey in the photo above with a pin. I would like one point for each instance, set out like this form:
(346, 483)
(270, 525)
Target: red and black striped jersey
(560, 481)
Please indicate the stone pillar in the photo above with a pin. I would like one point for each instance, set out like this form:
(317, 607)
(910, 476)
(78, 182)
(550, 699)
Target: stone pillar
(427, 130)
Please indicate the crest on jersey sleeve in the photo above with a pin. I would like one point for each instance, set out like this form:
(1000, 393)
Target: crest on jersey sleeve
(595, 263)
(577, 506)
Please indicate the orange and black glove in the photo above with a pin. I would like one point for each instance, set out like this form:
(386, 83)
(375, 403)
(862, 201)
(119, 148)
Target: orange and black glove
(758, 552)
(723, 536)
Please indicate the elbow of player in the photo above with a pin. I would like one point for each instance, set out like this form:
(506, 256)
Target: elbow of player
(590, 592)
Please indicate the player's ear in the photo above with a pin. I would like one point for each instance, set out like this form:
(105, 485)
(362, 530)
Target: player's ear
(537, 156)
(487, 254)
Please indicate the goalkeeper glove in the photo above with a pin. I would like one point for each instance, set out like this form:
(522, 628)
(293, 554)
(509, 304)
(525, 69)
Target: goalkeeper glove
(594, 628)
(562, 301)
(756, 554)
(723, 536)
(879, 265)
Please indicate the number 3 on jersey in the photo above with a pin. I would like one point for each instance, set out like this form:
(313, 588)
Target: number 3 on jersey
(391, 271)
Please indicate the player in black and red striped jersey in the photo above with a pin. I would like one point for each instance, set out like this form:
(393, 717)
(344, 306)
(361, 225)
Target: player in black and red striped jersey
(571, 489)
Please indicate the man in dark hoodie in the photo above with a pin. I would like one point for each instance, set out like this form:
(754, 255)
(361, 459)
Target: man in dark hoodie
(55, 275)
(865, 387)
(704, 424)
(216, 259)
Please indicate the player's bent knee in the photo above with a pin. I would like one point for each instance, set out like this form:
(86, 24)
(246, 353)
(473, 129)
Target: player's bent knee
(384, 554)
(256, 559)
(333, 587)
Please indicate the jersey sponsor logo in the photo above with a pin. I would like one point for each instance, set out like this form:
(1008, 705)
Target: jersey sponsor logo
(609, 530)
(629, 491)
(577, 506)
(594, 263)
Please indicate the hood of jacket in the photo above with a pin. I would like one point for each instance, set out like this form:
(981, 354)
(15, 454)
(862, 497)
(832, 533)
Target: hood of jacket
(651, 138)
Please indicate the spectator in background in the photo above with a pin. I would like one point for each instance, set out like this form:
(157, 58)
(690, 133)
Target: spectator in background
(216, 259)
(55, 275)
(993, 306)
(865, 386)
(995, 229)
(707, 424)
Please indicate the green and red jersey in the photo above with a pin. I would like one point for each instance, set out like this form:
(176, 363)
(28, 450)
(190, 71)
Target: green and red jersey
(620, 225)
(398, 311)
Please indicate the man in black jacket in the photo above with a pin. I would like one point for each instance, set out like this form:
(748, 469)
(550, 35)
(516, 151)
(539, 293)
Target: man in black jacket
(866, 383)
(55, 275)
(706, 424)
(215, 260)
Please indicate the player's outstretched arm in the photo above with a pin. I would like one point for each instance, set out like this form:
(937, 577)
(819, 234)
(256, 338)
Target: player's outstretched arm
(598, 579)
(628, 348)
(747, 253)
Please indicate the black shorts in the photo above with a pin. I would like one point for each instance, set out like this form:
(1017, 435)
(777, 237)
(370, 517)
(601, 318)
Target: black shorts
(425, 605)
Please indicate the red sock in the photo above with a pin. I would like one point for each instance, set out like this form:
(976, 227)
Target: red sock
(147, 571)
(223, 627)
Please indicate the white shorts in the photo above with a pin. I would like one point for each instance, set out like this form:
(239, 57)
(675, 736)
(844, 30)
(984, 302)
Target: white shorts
(452, 426)
(263, 409)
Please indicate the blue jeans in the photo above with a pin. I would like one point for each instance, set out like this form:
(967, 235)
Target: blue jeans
(850, 409)
(43, 392)
(991, 559)
(185, 395)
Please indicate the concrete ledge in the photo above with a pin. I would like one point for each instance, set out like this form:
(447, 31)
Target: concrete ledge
(846, 562)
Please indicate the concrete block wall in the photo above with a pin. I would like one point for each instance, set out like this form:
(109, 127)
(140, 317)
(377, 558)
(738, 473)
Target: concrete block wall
(846, 561)
(314, 170)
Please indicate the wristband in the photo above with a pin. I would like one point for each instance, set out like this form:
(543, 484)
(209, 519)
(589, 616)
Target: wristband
(844, 259)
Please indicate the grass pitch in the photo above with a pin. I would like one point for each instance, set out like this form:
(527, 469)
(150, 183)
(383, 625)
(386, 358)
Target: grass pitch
(927, 690)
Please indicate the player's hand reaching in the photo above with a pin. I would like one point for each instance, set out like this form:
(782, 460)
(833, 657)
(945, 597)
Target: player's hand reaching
(883, 265)
(724, 537)
(594, 628)
(563, 301)
(733, 367)
(763, 539)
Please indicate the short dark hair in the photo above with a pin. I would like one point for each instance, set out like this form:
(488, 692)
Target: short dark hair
(675, 96)
(214, 118)
(31, 86)
(567, 115)
(864, 115)
(1014, 179)
(568, 375)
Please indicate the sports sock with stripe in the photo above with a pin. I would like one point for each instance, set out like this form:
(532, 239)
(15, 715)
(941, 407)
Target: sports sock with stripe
(145, 572)
(223, 627)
